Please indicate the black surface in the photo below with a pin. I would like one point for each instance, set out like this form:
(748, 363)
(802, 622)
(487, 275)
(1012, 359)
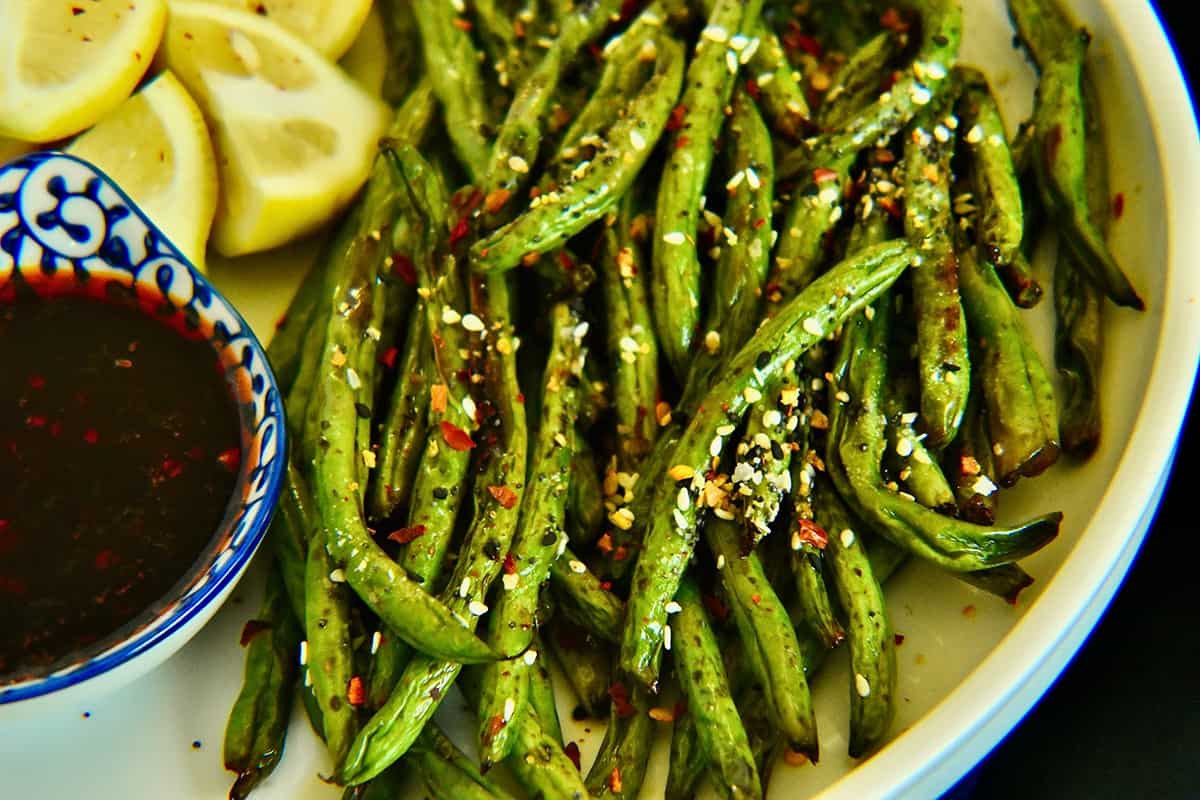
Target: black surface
(1123, 720)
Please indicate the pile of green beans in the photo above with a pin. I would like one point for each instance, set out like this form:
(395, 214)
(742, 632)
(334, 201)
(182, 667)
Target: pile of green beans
(660, 336)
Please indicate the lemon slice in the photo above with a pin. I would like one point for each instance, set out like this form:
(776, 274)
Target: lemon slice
(328, 25)
(367, 59)
(295, 137)
(65, 65)
(156, 146)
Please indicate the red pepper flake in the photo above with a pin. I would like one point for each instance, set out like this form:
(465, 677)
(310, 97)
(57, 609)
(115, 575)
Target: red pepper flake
(461, 24)
(614, 780)
(756, 598)
(1118, 210)
(495, 200)
(388, 357)
(812, 533)
(596, 51)
(91, 436)
(758, 223)
(495, 725)
(565, 261)
(439, 394)
(821, 174)
(406, 535)
(605, 544)
(510, 565)
(968, 611)
(794, 758)
(35, 421)
(253, 628)
(682, 142)
(893, 21)
(572, 751)
(521, 398)
(796, 39)
(715, 606)
(620, 699)
(889, 80)
(675, 121)
(196, 453)
(752, 88)
(661, 714)
(898, 639)
(621, 553)
(970, 466)
(105, 559)
(171, 468)
(456, 437)
(230, 459)
(38, 382)
(459, 232)
(606, 585)
(123, 363)
(55, 428)
(505, 496)
(356, 694)
(891, 207)
(404, 268)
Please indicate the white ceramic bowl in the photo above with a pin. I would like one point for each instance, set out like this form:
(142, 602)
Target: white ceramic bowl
(112, 242)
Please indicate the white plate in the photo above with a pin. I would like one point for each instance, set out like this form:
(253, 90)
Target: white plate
(965, 678)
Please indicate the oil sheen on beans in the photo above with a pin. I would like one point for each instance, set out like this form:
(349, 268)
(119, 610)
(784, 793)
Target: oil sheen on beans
(119, 448)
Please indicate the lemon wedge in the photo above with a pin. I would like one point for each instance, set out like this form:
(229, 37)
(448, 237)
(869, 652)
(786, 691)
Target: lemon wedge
(294, 135)
(328, 25)
(156, 146)
(11, 148)
(367, 59)
(67, 65)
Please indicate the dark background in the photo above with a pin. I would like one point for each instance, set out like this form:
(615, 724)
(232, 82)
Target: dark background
(1123, 720)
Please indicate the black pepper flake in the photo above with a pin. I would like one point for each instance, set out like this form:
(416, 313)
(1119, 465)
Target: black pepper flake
(776, 450)
(946, 365)
(763, 359)
(197, 744)
(363, 410)
(579, 714)
(940, 40)
(440, 493)
(549, 538)
(491, 549)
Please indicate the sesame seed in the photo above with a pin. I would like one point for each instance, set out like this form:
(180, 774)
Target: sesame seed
(472, 323)
(510, 580)
(812, 326)
(368, 457)
(510, 706)
(715, 446)
(998, 449)
(680, 472)
(861, 685)
(715, 33)
(667, 637)
(712, 342)
(674, 237)
(530, 657)
(450, 316)
(622, 518)
(908, 417)
(941, 133)
(847, 537)
(742, 472)
(477, 608)
(578, 567)
(338, 576)
(683, 500)
(673, 607)
(725, 430)
(637, 140)
(464, 588)
(983, 485)
(921, 95)
(904, 447)
(735, 181)
(721, 562)
(830, 194)
(797, 542)
(752, 178)
(518, 164)
(680, 520)
(748, 53)
(376, 640)
(468, 407)
(304, 653)
(352, 379)
(723, 513)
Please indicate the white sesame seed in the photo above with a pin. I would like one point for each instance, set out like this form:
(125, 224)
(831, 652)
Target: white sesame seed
(530, 657)
(742, 472)
(472, 323)
(724, 513)
(674, 237)
(983, 485)
(683, 500)
(908, 417)
(935, 70)
(468, 407)
(842, 396)
(304, 653)
(637, 140)
(667, 637)
(736, 180)
(450, 316)
(673, 607)
(812, 326)
(578, 567)
(941, 133)
(518, 164)
(748, 53)
(464, 588)
(921, 95)
(715, 33)
(861, 685)
(797, 542)
(715, 446)
(975, 135)
(847, 537)
(307, 678)
(752, 178)
(338, 576)
(376, 640)
(477, 608)
(629, 344)
(680, 520)
(374, 334)
(510, 580)
(352, 379)
(998, 449)
(510, 706)
(751, 395)
(731, 62)
(721, 562)
(904, 447)
(725, 430)
(830, 194)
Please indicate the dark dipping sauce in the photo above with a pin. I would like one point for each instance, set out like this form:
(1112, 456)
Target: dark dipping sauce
(119, 451)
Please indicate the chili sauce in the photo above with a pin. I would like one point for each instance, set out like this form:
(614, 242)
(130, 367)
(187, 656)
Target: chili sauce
(119, 451)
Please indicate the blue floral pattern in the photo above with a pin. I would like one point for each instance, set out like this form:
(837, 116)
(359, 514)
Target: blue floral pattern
(64, 225)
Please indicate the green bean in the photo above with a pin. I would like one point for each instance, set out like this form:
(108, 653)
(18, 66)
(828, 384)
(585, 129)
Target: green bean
(498, 34)
(972, 467)
(913, 464)
(854, 451)
(584, 663)
(257, 726)
(812, 594)
(585, 498)
(765, 743)
(541, 766)
(448, 774)
(767, 637)
(592, 186)
(687, 761)
(942, 359)
(1079, 331)
(1060, 144)
(1000, 222)
(872, 647)
(454, 72)
(295, 518)
(744, 261)
(671, 531)
(392, 730)
(287, 348)
(404, 606)
(539, 541)
(702, 677)
(541, 696)
(403, 434)
(404, 50)
(779, 91)
(675, 288)
(915, 86)
(858, 81)
(389, 657)
(632, 347)
(1022, 414)
(330, 662)
(582, 599)
(1006, 581)
(619, 769)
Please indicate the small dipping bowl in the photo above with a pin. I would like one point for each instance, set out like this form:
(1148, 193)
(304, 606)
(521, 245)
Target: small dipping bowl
(67, 231)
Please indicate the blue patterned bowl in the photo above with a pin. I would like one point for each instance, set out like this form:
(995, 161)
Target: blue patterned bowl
(67, 229)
